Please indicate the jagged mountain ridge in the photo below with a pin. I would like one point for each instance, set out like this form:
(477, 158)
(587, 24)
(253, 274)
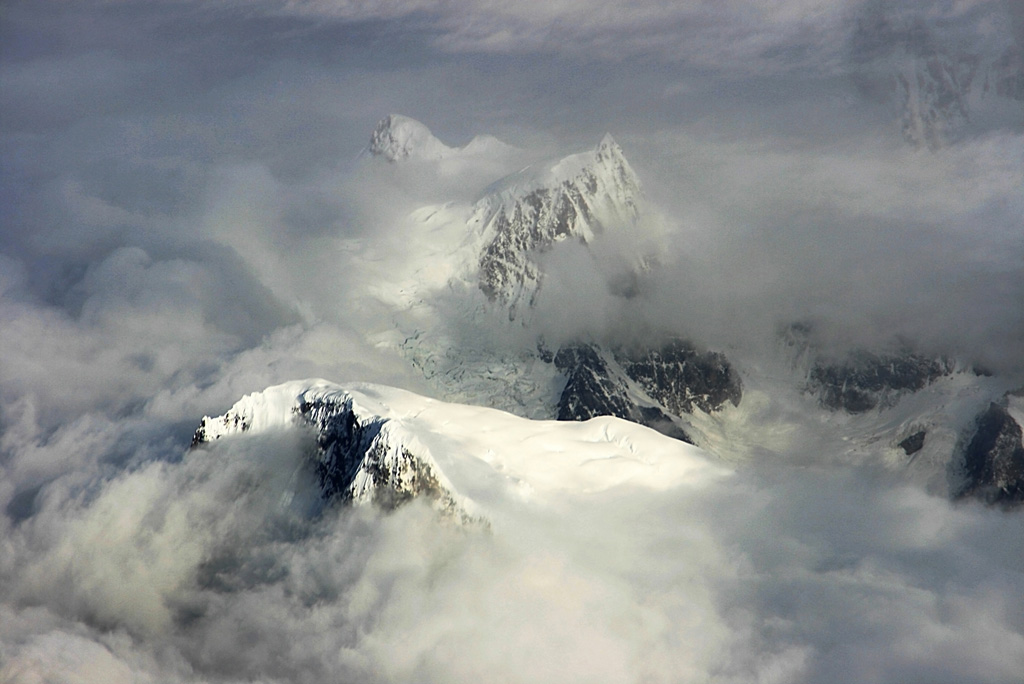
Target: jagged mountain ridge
(497, 241)
(578, 197)
(398, 138)
(866, 380)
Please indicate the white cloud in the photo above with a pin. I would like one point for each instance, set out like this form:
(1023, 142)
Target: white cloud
(65, 659)
(780, 574)
(183, 222)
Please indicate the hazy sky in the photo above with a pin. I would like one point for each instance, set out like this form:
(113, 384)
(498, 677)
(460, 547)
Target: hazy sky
(182, 191)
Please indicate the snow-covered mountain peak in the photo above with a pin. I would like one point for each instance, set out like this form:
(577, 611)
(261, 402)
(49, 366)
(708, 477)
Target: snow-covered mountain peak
(941, 88)
(363, 452)
(398, 137)
(387, 446)
(608, 146)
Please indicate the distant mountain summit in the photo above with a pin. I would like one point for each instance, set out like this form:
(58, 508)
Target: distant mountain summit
(398, 138)
(939, 90)
(494, 254)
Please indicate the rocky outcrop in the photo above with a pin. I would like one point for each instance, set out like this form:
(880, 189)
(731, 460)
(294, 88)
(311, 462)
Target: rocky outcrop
(912, 444)
(993, 459)
(681, 378)
(577, 198)
(866, 381)
(591, 388)
(360, 457)
(364, 458)
(645, 385)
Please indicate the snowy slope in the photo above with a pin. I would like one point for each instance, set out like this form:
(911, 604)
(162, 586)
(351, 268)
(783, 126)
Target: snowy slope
(578, 197)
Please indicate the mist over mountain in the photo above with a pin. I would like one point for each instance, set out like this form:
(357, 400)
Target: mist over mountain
(944, 82)
(467, 341)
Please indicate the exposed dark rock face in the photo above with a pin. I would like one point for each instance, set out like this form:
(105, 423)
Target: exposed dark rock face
(357, 457)
(532, 225)
(601, 195)
(681, 378)
(914, 443)
(867, 381)
(341, 440)
(676, 377)
(994, 459)
(350, 448)
(590, 389)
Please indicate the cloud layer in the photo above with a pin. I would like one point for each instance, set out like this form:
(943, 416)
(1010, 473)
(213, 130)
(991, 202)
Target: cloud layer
(185, 216)
(768, 37)
(200, 570)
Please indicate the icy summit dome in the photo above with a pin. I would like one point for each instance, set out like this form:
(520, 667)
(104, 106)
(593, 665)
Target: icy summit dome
(398, 137)
(387, 446)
